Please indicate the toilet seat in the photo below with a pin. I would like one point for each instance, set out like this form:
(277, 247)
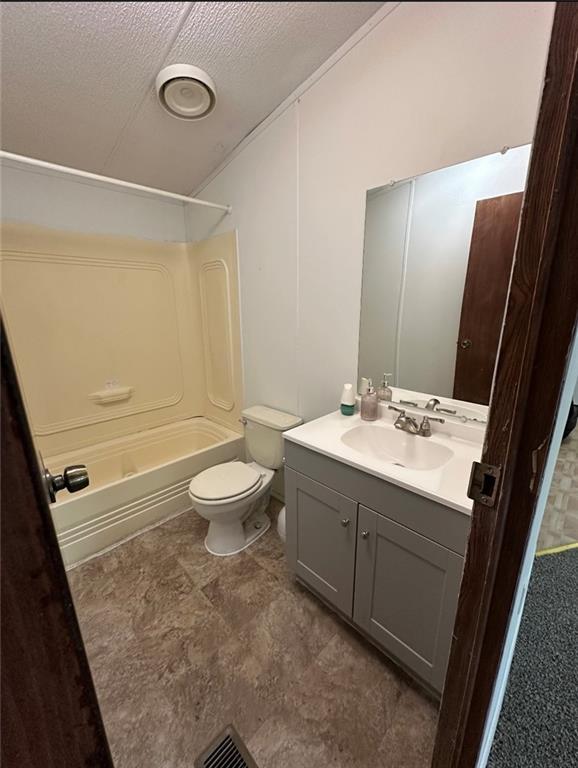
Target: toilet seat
(225, 483)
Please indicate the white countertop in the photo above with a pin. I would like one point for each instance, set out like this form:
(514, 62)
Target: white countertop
(447, 484)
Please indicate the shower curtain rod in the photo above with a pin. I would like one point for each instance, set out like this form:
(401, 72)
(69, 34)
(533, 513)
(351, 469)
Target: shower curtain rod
(110, 180)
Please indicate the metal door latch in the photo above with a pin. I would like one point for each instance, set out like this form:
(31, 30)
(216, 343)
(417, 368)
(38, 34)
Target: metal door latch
(484, 483)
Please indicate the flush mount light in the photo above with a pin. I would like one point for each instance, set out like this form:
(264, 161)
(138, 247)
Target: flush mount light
(186, 91)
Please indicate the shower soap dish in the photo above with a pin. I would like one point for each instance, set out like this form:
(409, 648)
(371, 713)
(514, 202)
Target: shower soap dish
(111, 395)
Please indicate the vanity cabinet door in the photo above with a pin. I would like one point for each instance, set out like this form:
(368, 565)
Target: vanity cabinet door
(321, 535)
(406, 592)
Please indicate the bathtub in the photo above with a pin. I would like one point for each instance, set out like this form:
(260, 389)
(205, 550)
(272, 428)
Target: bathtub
(135, 482)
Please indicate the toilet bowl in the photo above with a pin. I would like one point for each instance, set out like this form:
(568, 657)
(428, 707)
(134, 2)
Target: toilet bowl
(234, 496)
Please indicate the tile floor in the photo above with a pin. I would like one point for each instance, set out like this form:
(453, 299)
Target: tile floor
(182, 643)
(560, 523)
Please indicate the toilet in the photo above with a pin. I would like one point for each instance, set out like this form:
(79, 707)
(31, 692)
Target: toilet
(233, 496)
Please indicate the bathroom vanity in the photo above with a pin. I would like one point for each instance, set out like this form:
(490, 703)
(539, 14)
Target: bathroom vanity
(377, 525)
(377, 513)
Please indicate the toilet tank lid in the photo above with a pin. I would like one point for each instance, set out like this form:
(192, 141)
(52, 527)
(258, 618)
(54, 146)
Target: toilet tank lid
(269, 417)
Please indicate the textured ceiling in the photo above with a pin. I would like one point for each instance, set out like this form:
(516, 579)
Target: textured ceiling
(77, 78)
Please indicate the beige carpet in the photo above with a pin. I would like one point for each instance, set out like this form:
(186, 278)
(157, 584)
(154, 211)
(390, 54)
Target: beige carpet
(560, 523)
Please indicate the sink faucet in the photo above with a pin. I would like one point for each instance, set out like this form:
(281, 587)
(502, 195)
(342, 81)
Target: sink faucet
(408, 424)
(404, 422)
(432, 404)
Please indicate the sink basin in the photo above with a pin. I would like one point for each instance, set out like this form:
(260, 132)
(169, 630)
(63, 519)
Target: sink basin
(397, 447)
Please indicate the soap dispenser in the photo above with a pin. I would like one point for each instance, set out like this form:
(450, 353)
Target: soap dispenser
(384, 392)
(369, 408)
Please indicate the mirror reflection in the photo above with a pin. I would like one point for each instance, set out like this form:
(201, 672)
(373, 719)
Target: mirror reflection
(438, 252)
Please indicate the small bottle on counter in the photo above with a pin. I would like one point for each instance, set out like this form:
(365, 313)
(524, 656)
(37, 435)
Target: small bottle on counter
(347, 400)
(384, 392)
(369, 407)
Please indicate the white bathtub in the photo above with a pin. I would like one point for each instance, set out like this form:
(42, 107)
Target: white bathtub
(136, 481)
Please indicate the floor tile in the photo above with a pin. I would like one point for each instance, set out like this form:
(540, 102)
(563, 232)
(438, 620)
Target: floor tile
(269, 552)
(171, 608)
(348, 696)
(182, 643)
(112, 578)
(241, 591)
(409, 740)
(202, 567)
(288, 741)
(177, 533)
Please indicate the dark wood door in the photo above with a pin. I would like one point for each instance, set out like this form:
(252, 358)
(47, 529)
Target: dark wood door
(484, 301)
(538, 336)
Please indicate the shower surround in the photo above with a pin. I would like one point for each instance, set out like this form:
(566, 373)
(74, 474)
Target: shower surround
(128, 353)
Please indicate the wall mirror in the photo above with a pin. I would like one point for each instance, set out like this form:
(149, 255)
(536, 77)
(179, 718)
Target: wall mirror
(438, 252)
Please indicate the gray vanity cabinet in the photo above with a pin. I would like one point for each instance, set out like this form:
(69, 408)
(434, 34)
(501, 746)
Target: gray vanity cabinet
(321, 538)
(406, 591)
(388, 559)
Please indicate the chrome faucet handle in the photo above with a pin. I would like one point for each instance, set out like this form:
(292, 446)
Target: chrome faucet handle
(398, 410)
(409, 402)
(447, 410)
(425, 426)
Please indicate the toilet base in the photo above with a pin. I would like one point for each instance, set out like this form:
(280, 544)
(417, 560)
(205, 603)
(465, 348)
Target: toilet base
(225, 539)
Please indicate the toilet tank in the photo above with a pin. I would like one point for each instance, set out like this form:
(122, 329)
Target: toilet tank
(264, 429)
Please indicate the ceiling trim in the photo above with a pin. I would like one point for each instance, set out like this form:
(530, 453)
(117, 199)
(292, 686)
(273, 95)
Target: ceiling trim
(350, 43)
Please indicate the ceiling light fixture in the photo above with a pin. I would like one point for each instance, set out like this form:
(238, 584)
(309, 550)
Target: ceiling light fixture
(186, 92)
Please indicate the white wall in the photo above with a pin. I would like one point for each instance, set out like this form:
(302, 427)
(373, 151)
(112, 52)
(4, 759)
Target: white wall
(433, 84)
(55, 200)
(261, 185)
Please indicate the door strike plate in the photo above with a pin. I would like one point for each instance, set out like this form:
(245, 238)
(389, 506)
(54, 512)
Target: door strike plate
(484, 483)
